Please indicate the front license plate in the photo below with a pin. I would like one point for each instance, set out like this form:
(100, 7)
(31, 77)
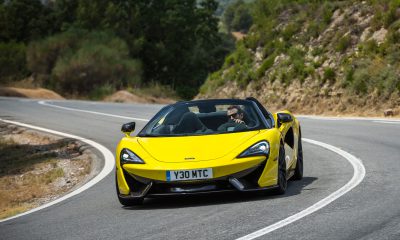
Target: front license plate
(182, 175)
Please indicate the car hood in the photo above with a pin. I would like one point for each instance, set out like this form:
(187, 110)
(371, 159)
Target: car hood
(194, 148)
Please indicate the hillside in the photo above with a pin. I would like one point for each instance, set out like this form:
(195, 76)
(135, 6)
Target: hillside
(316, 57)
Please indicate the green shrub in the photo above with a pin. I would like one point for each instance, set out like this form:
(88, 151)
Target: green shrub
(245, 75)
(155, 89)
(251, 41)
(299, 69)
(98, 93)
(327, 12)
(229, 61)
(329, 74)
(370, 47)
(93, 66)
(12, 62)
(369, 75)
(393, 37)
(298, 65)
(349, 78)
(393, 54)
(281, 46)
(309, 70)
(290, 30)
(343, 43)
(388, 79)
(186, 92)
(317, 51)
(42, 55)
(314, 29)
(269, 48)
(81, 62)
(391, 15)
(213, 81)
(267, 63)
(242, 55)
(360, 82)
(385, 14)
(376, 22)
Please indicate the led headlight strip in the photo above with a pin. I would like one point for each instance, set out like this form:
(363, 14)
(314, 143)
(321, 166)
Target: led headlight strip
(127, 156)
(258, 149)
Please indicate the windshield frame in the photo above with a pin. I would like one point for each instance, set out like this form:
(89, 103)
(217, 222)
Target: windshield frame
(263, 123)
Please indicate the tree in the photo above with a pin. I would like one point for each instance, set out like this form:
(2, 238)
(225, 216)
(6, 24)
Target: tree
(24, 20)
(176, 41)
(242, 20)
(237, 17)
(64, 13)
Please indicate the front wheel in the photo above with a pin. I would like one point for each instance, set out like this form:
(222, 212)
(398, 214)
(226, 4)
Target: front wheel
(127, 201)
(282, 173)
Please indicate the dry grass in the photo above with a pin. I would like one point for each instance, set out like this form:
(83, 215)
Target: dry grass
(40, 93)
(137, 97)
(17, 192)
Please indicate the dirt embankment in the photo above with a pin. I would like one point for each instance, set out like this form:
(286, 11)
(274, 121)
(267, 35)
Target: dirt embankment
(36, 168)
(127, 97)
(29, 93)
(121, 96)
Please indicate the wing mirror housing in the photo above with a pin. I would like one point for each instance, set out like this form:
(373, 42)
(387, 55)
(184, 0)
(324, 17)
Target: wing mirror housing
(127, 128)
(284, 118)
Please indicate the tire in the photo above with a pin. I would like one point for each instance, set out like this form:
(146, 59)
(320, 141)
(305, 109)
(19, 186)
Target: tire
(298, 171)
(127, 201)
(282, 173)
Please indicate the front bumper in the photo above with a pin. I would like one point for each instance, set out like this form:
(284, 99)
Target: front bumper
(243, 181)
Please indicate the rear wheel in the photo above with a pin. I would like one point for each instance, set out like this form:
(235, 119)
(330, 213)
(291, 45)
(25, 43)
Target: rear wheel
(298, 172)
(127, 201)
(282, 173)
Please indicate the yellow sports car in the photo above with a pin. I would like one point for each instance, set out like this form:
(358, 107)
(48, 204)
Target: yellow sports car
(209, 146)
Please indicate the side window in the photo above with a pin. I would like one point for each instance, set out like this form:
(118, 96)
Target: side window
(267, 115)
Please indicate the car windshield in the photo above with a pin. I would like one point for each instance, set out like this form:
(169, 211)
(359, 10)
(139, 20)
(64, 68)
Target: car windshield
(204, 118)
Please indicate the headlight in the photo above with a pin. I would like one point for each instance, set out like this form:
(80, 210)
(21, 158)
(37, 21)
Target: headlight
(258, 149)
(127, 156)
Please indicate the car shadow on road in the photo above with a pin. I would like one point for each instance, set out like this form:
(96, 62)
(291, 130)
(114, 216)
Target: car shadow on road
(294, 188)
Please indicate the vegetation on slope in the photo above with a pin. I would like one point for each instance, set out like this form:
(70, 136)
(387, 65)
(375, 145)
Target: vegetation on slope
(334, 45)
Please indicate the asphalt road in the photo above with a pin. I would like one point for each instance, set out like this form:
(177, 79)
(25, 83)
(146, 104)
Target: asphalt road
(369, 211)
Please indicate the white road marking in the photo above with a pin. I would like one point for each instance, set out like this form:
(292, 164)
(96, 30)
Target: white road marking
(358, 176)
(324, 118)
(381, 120)
(108, 166)
(92, 112)
(388, 122)
(346, 118)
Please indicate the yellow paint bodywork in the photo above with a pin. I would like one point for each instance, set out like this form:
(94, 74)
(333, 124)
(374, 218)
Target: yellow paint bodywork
(216, 151)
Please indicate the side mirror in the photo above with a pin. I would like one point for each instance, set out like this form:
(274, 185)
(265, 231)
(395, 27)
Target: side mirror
(284, 118)
(127, 128)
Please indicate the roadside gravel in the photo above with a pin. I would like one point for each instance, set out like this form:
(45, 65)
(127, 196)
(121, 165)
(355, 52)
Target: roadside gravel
(36, 168)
